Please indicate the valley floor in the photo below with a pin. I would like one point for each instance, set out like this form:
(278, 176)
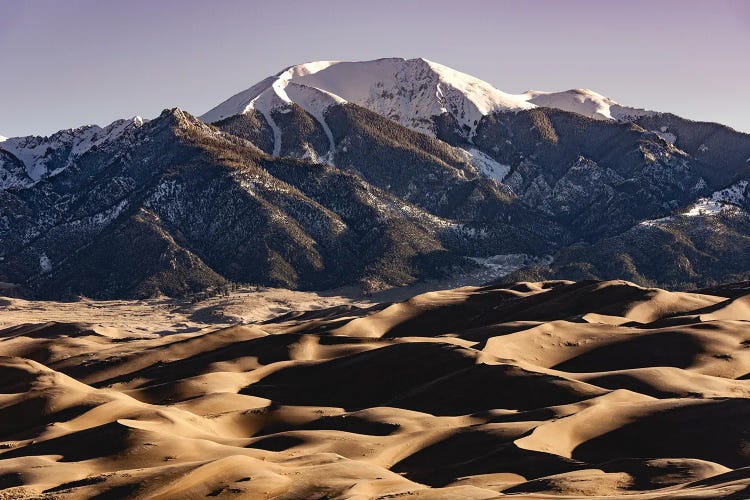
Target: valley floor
(164, 315)
(531, 390)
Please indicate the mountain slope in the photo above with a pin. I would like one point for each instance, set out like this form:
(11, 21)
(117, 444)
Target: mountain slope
(705, 244)
(207, 207)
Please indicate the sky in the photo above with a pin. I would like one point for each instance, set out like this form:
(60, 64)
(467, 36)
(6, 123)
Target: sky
(66, 63)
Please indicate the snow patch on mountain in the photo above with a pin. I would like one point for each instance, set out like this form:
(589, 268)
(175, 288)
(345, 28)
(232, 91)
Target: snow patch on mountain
(704, 206)
(276, 131)
(486, 165)
(725, 201)
(3, 138)
(586, 102)
(667, 136)
(737, 193)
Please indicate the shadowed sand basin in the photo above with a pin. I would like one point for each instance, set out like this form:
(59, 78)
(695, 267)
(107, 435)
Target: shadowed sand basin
(526, 390)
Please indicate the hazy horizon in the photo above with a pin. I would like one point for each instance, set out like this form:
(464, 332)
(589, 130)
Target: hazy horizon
(80, 62)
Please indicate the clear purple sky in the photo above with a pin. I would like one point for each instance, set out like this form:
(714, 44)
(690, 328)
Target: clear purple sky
(68, 63)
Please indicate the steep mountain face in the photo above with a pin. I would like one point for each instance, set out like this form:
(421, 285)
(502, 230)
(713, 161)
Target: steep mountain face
(705, 243)
(721, 153)
(43, 157)
(448, 182)
(175, 206)
(596, 177)
(377, 173)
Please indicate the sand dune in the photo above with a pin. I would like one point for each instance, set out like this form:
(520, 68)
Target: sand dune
(524, 390)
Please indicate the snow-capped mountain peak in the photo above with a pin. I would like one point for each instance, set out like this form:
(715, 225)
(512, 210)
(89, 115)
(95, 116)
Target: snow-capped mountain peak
(409, 91)
(3, 138)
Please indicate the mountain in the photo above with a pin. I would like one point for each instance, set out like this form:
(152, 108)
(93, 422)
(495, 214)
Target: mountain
(174, 206)
(412, 92)
(378, 174)
(704, 243)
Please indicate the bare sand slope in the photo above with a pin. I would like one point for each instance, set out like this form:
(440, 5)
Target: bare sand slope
(526, 390)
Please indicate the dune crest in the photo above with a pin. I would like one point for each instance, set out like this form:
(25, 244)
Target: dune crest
(535, 390)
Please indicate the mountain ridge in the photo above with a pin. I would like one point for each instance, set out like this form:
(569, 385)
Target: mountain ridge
(410, 91)
(317, 191)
